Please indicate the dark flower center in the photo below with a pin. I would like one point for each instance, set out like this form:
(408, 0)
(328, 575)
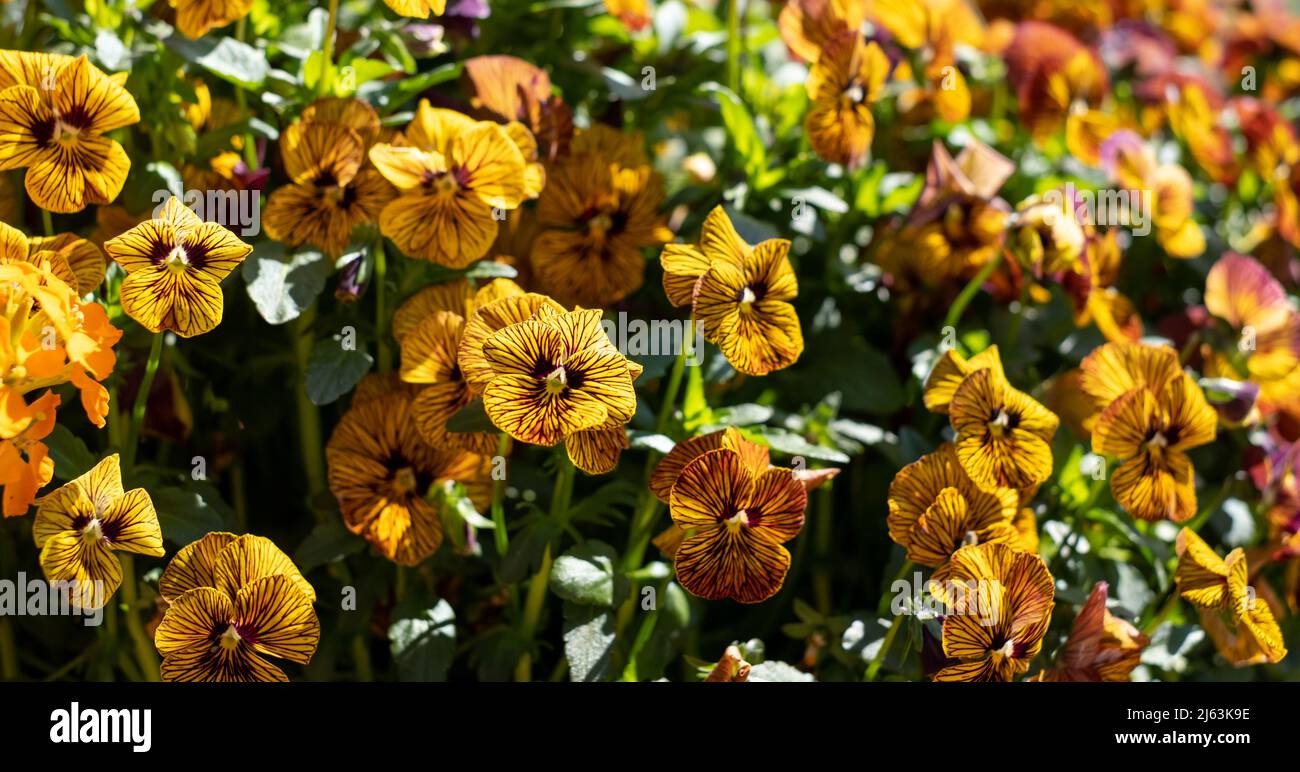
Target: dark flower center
(1161, 437)
(61, 127)
(1003, 420)
(556, 376)
(751, 293)
(602, 222)
(93, 529)
(405, 478)
(855, 91)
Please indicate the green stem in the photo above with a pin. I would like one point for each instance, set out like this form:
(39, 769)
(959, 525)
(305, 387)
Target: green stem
(561, 669)
(874, 668)
(1166, 609)
(644, 516)
(968, 292)
(499, 532)
(642, 637)
(47, 222)
(673, 387)
(822, 533)
(128, 666)
(532, 611)
(325, 83)
(309, 428)
(1189, 348)
(76, 662)
(903, 571)
(361, 658)
(381, 310)
(400, 581)
(1211, 506)
(241, 100)
(734, 45)
(537, 585)
(142, 400)
(144, 650)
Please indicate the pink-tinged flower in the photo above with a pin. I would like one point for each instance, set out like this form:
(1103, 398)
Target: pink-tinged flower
(1101, 646)
(1242, 292)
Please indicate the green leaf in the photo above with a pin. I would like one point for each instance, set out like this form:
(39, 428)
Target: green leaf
(283, 286)
(225, 57)
(333, 371)
(184, 515)
(169, 175)
(772, 672)
(745, 139)
(423, 645)
(900, 191)
(695, 406)
(751, 229)
(836, 361)
(71, 456)
(471, 418)
(459, 503)
(747, 414)
(588, 641)
(585, 574)
(392, 44)
(864, 636)
(817, 197)
(526, 550)
(675, 606)
(794, 445)
(659, 443)
(456, 511)
(1170, 646)
(112, 54)
(623, 86)
(390, 95)
(327, 543)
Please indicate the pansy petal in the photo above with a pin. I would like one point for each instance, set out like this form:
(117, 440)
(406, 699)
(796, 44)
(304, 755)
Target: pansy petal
(1122, 430)
(713, 487)
(277, 618)
(1241, 291)
(195, 565)
(742, 563)
(249, 558)
(521, 407)
(596, 451)
(777, 504)
(205, 664)
(185, 302)
(92, 566)
(131, 523)
(1156, 485)
(1201, 575)
(194, 618)
(683, 265)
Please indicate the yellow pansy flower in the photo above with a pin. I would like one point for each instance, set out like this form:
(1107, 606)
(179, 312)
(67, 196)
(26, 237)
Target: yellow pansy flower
(79, 526)
(54, 113)
(174, 265)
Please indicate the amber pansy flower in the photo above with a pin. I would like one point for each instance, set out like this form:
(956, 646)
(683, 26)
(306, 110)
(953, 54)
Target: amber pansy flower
(1001, 605)
(80, 526)
(233, 601)
(740, 293)
(736, 518)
